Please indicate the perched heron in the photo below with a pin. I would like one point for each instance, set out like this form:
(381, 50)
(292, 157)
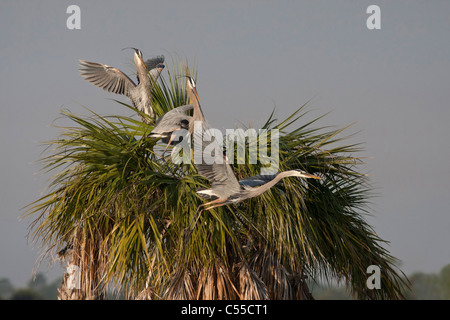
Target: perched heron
(114, 80)
(225, 188)
(169, 124)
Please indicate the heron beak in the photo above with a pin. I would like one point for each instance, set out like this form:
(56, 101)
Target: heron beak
(196, 94)
(307, 175)
(130, 48)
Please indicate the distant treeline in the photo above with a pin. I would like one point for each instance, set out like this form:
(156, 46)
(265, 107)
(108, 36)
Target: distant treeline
(37, 289)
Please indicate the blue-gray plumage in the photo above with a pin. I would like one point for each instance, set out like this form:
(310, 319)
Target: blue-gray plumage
(171, 122)
(258, 180)
(114, 80)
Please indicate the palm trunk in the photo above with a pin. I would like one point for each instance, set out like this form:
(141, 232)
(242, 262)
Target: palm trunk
(82, 278)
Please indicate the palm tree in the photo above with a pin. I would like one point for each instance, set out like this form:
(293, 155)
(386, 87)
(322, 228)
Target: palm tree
(117, 211)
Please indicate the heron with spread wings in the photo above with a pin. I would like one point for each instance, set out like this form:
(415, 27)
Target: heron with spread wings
(225, 188)
(114, 80)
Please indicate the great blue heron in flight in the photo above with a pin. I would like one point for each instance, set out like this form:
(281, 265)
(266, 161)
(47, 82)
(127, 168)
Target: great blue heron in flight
(172, 122)
(225, 188)
(114, 80)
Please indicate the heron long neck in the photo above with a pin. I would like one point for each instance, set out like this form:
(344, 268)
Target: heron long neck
(197, 111)
(256, 191)
(142, 73)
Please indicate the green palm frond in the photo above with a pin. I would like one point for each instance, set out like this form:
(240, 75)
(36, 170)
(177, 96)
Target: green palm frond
(114, 195)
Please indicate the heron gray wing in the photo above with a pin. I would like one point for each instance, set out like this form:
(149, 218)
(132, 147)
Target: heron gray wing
(222, 178)
(172, 120)
(175, 112)
(258, 180)
(154, 62)
(182, 109)
(215, 167)
(106, 77)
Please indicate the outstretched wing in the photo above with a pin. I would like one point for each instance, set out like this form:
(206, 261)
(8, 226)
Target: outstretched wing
(155, 62)
(106, 77)
(215, 167)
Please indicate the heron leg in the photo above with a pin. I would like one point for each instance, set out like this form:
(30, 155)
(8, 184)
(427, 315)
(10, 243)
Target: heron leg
(196, 215)
(215, 206)
(170, 141)
(215, 203)
(168, 144)
(165, 149)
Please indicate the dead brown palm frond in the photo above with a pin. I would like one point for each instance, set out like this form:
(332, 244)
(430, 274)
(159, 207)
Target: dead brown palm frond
(300, 288)
(251, 287)
(275, 276)
(206, 289)
(215, 282)
(181, 286)
(225, 287)
(146, 294)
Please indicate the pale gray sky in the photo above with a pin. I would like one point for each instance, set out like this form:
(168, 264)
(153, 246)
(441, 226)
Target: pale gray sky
(251, 56)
